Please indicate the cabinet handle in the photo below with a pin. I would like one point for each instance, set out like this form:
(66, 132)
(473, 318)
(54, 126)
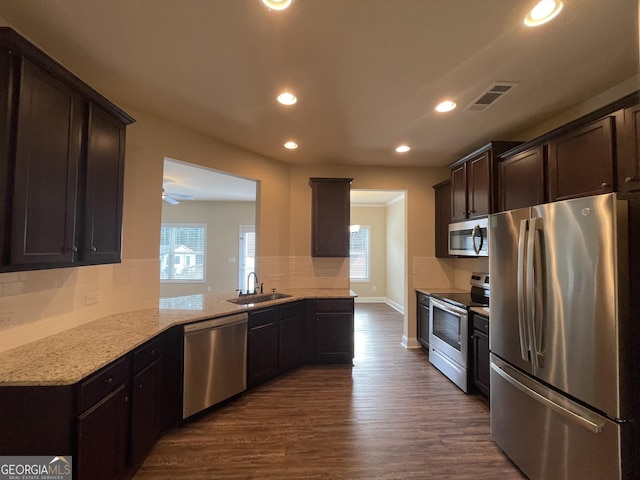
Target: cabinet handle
(604, 185)
(109, 381)
(94, 249)
(139, 386)
(74, 249)
(126, 399)
(629, 180)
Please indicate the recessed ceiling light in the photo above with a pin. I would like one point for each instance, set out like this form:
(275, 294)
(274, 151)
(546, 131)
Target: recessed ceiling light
(287, 98)
(445, 106)
(277, 4)
(544, 11)
(291, 145)
(403, 148)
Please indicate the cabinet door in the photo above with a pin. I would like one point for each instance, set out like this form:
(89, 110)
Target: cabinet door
(171, 389)
(105, 173)
(581, 162)
(291, 342)
(522, 180)
(443, 217)
(102, 438)
(47, 154)
(145, 411)
(423, 323)
(459, 193)
(479, 186)
(262, 345)
(330, 216)
(481, 362)
(628, 136)
(334, 338)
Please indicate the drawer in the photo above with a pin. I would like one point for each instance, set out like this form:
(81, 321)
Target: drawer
(423, 299)
(291, 309)
(146, 354)
(104, 382)
(334, 305)
(481, 323)
(262, 317)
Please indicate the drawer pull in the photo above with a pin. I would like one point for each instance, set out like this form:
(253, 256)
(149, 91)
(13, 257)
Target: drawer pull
(629, 180)
(604, 185)
(109, 381)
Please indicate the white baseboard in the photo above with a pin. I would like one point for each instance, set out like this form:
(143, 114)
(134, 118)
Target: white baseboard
(410, 342)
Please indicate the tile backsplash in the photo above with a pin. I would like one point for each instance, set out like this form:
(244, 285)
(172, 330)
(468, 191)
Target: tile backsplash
(39, 303)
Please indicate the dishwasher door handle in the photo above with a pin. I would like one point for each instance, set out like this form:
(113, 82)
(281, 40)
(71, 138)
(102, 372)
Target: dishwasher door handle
(215, 323)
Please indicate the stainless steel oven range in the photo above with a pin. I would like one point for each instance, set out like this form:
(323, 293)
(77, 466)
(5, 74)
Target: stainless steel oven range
(449, 329)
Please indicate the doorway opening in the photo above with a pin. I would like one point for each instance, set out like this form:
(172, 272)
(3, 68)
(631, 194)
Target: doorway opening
(377, 263)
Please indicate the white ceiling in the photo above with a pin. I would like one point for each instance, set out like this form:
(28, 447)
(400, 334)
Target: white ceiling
(367, 72)
(205, 184)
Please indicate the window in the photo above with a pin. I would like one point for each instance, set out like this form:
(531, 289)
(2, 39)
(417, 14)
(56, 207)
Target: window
(182, 252)
(359, 254)
(247, 255)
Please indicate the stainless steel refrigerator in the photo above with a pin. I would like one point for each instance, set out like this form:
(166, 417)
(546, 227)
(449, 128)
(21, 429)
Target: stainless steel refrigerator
(562, 334)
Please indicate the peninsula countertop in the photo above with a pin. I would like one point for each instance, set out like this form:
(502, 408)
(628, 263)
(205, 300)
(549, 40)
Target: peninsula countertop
(67, 357)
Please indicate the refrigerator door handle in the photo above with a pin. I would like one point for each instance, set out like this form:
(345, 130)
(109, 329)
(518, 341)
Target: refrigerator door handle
(577, 417)
(522, 310)
(530, 291)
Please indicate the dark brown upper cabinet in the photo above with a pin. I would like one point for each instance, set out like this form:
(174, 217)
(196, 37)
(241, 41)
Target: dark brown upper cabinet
(330, 216)
(442, 192)
(628, 142)
(61, 164)
(474, 182)
(581, 162)
(522, 179)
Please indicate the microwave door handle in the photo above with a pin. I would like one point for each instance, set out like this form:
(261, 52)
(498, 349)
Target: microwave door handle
(531, 300)
(475, 230)
(522, 311)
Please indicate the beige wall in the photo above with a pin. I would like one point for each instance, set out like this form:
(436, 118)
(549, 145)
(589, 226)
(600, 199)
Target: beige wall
(396, 261)
(223, 220)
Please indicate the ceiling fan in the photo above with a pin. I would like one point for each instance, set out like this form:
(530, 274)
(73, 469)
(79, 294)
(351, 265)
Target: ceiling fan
(173, 198)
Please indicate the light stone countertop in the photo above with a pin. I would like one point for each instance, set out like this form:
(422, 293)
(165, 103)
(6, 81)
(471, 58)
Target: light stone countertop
(67, 357)
(481, 310)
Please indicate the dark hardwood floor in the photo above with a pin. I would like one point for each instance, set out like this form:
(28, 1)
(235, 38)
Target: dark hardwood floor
(390, 416)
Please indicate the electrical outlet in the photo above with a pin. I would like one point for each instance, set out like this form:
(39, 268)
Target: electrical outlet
(91, 298)
(7, 318)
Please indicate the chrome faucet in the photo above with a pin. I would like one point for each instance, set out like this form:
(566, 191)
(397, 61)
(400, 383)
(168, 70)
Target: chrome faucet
(255, 284)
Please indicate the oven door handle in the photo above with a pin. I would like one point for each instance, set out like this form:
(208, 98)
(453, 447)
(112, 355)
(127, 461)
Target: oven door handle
(447, 307)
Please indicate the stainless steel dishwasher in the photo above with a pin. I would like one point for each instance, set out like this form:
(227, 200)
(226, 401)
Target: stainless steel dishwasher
(215, 362)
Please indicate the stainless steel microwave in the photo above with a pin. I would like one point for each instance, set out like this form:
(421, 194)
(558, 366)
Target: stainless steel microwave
(469, 239)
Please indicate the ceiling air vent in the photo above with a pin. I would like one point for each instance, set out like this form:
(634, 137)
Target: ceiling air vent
(491, 95)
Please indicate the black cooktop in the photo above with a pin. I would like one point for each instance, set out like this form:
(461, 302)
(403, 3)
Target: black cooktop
(463, 300)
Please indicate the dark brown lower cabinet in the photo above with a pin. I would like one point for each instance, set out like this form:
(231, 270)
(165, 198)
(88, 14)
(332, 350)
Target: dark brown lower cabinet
(102, 438)
(481, 362)
(262, 346)
(423, 320)
(334, 336)
(146, 409)
(292, 334)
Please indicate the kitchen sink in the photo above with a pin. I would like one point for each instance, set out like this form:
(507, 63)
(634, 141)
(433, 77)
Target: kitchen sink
(259, 298)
